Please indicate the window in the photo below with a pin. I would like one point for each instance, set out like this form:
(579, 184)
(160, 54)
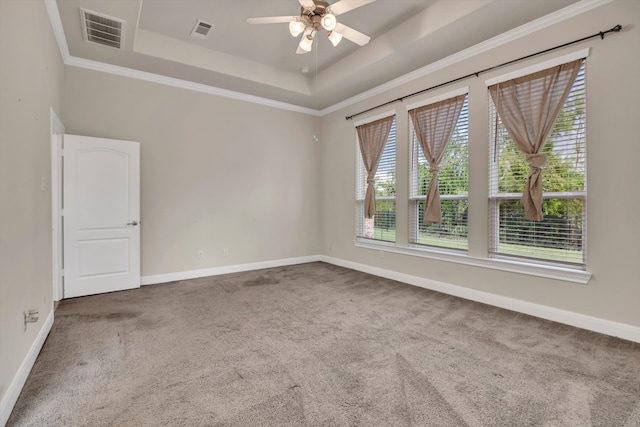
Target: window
(560, 236)
(453, 182)
(383, 225)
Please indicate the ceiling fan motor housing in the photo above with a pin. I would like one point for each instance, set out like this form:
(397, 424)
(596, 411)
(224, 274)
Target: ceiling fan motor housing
(313, 16)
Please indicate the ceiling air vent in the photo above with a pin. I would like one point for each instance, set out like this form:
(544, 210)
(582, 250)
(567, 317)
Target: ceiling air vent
(102, 29)
(201, 30)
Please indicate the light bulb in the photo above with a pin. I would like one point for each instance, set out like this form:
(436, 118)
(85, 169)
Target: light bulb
(328, 21)
(305, 43)
(334, 37)
(296, 27)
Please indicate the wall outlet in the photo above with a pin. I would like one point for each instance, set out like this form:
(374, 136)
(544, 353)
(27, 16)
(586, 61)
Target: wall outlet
(31, 316)
(201, 254)
(225, 252)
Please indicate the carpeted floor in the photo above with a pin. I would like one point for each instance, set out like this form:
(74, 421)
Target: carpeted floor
(319, 345)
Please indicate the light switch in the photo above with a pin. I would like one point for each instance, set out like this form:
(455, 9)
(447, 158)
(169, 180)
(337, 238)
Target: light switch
(43, 184)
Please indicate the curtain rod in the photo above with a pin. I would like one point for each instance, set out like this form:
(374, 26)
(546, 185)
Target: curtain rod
(600, 34)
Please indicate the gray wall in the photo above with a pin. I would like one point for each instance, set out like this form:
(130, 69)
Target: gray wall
(218, 173)
(613, 151)
(215, 173)
(31, 80)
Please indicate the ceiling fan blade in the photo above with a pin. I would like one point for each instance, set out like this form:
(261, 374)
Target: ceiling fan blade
(272, 19)
(344, 6)
(350, 34)
(307, 4)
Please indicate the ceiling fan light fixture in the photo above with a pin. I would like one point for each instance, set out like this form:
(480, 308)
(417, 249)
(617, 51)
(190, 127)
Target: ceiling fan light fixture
(318, 15)
(328, 21)
(296, 27)
(306, 42)
(334, 37)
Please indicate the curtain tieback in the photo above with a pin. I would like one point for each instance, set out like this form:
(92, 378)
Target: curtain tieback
(434, 169)
(536, 161)
(370, 181)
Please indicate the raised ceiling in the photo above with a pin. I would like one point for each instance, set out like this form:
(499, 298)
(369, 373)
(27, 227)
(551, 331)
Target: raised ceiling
(260, 60)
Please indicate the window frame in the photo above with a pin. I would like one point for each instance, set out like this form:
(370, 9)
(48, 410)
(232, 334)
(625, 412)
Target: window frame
(414, 154)
(477, 256)
(494, 196)
(360, 179)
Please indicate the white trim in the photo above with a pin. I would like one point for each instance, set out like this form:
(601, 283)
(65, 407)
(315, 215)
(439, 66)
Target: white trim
(432, 100)
(568, 12)
(58, 29)
(595, 324)
(375, 117)
(500, 264)
(15, 387)
(184, 84)
(579, 54)
(57, 129)
(215, 271)
(135, 33)
(561, 15)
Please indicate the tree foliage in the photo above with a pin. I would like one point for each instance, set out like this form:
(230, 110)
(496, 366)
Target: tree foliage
(564, 172)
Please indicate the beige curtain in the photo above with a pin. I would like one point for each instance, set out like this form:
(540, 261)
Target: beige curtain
(372, 138)
(434, 124)
(528, 107)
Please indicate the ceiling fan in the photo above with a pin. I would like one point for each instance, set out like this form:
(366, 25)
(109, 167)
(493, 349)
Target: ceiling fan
(316, 15)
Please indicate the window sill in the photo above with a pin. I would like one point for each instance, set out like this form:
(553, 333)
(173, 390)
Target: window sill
(566, 274)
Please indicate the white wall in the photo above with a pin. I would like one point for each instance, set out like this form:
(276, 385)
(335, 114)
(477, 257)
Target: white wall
(215, 173)
(613, 151)
(31, 80)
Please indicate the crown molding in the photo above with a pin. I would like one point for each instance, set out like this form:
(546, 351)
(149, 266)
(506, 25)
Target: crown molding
(494, 42)
(58, 30)
(185, 84)
(68, 59)
(524, 30)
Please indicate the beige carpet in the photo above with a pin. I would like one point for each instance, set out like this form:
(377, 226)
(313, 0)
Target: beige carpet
(319, 345)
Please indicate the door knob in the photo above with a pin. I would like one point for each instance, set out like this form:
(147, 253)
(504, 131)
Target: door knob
(133, 223)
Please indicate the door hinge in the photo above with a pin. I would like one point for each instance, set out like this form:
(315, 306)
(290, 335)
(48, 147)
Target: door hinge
(61, 212)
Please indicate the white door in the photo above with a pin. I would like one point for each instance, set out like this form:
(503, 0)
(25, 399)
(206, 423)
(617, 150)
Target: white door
(101, 213)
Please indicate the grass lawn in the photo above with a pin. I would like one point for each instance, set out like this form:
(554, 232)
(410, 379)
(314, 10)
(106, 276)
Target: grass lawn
(563, 255)
(382, 234)
(551, 254)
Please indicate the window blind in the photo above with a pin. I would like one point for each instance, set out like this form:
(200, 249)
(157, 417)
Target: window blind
(383, 225)
(560, 237)
(453, 181)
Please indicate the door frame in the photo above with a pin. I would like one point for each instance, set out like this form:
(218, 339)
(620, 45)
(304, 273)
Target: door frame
(57, 262)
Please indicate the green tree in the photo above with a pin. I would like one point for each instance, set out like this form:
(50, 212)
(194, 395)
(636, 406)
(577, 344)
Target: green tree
(563, 172)
(453, 179)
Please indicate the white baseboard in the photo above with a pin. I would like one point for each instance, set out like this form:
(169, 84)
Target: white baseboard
(595, 324)
(215, 271)
(607, 327)
(13, 392)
